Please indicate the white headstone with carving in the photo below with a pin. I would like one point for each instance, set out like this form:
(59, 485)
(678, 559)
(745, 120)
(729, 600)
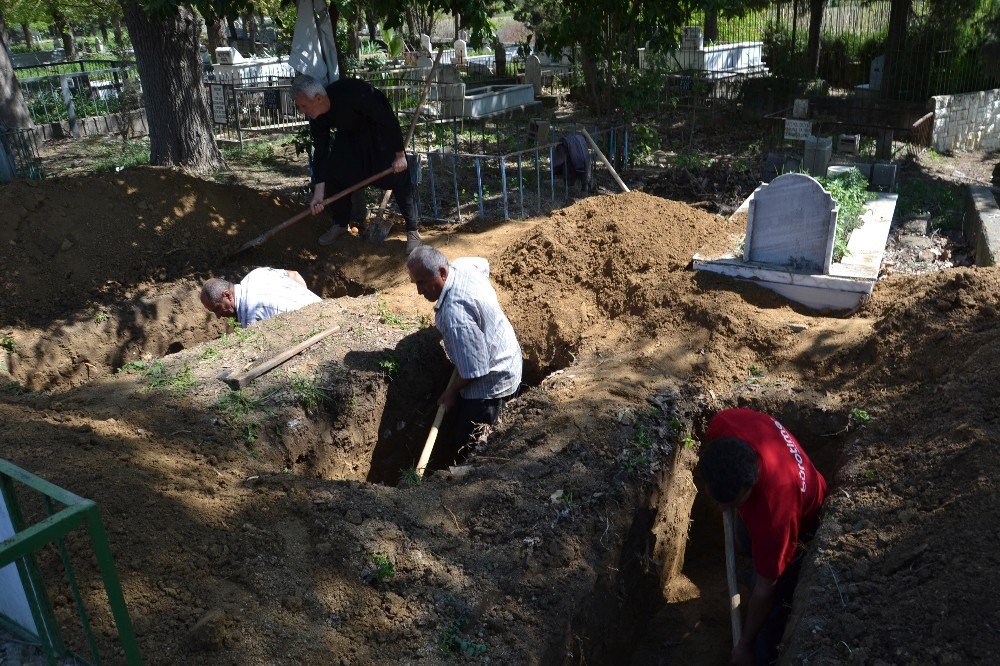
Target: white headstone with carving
(425, 44)
(461, 53)
(791, 224)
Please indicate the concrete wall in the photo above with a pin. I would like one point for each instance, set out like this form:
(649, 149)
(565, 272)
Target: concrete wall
(95, 126)
(968, 122)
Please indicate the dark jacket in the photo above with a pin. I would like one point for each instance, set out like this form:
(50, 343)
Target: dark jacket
(367, 138)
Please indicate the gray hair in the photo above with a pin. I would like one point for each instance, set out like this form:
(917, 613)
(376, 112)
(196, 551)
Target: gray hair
(212, 290)
(426, 258)
(304, 83)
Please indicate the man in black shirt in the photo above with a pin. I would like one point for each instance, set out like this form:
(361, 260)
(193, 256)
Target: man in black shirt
(368, 140)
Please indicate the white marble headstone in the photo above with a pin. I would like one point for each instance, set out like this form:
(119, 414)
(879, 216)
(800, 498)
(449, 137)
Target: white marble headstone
(791, 223)
(425, 44)
(461, 53)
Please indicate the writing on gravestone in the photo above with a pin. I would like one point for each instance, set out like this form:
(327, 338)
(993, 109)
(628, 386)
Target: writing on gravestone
(791, 224)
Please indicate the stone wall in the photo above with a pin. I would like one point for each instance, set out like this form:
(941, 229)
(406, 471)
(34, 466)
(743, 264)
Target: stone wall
(968, 122)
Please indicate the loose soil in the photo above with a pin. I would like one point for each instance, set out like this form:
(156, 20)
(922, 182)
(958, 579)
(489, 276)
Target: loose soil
(246, 529)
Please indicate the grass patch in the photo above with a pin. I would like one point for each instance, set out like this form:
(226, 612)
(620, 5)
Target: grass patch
(210, 353)
(251, 154)
(850, 191)
(120, 156)
(7, 342)
(308, 392)
(383, 569)
(452, 640)
(390, 365)
(410, 477)
(239, 334)
(160, 377)
(236, 405)
(942, 202)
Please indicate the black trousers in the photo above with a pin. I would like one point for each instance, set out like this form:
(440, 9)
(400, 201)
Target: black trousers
(471, 413)
(402, 194)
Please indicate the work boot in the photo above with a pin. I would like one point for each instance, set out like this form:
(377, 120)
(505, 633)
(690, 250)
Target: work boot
(412, 241)
(331, 236)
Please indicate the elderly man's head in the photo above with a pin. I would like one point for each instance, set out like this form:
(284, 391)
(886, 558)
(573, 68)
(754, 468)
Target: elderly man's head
(428, 270)
(310, 96)
(219, 297)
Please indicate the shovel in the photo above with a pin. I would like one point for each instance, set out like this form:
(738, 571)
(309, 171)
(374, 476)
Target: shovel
(378, 229)
(267, 235)
(425, 454)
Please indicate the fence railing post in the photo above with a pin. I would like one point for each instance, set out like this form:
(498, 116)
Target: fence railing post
(70, 108)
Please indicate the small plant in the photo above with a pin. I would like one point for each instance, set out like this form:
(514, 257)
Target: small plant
(102, 317)
(161, 378)
(410, 477)
(11, 387)
(638, 452)
(251, 431)
(859, 417)
(239, 333)
(390, 365)
(237, 404)
(850, 191)
(452, 641)
(7, 342)
(869, 473)
(390, 319)
(383, 570)
(210, 353)
(688, 441)
(308, 392)
(755, 372)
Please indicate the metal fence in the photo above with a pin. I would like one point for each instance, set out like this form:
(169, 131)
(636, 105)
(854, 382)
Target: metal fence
(59, 514)
(526, 181)
(242, 112)
(77, 90)
(18, 155)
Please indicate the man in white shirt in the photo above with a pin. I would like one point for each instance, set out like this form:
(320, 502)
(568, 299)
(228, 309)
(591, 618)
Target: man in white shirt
(263, 293)
(478, 337)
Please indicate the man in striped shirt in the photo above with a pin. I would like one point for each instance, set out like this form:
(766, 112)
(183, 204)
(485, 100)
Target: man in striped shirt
(477, 336)
(263, 293)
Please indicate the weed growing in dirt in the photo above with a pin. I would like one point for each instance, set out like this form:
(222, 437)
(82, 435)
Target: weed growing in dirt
(210, 353)
(859, 417)
(388, 318)
(940, 200)
(102, 317)
(755, 372)
(410, 477)
(10, 387)
(251, 431)
(7, 342)
(308, 392)
(850, 191)
(452, 641)
(639, 449)
(239, 333)
(691, 161)
(237, 404)
(390, 365)
(160, 377)
(256, 153)
(383, 570)
(120, 156)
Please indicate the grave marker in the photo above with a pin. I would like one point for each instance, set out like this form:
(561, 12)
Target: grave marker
(791, 223)
(533, 73)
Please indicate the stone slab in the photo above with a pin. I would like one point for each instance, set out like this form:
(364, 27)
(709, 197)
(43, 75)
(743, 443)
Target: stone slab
(791, 223)
(981, 224)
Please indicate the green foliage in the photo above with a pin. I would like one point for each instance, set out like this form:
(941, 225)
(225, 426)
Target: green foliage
(308, 392)
(133, 152)
(102, 317)
(251, 154)
(384, 568)
(850, 191)
(452, 641)
(638, 454)
(7, 342)
(941, 200)
(859, 417)
(210, 353)
(160, 377)
(390, 365)
(236, 405)
(410, 477)
(239, 333)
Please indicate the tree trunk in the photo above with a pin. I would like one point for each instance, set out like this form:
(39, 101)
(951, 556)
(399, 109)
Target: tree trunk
(250, 30)
(373, 33)
(169, 64)
(116, 22)
(711, 25)
(29, 39)
(815, 23)
(899, 15)
(104, 34)
(458, 24)
(13, 112)
(216, 37)
(590, 77)
(411, 25)
(233, 36)
(4, 36)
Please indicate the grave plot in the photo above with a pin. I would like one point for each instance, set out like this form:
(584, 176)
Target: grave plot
(565, 534)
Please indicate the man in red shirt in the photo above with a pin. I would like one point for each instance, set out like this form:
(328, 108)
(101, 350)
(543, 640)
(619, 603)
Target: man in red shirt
(753, 464)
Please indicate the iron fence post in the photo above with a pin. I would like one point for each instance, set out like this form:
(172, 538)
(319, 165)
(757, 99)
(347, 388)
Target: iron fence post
(503, 184)
(520, 183)
(70, 107)
(479, 186)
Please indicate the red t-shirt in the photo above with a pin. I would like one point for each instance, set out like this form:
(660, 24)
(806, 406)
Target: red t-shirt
(786, 499)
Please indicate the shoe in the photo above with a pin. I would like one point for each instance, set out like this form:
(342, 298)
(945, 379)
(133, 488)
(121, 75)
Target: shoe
(331, 236)
(412, 241)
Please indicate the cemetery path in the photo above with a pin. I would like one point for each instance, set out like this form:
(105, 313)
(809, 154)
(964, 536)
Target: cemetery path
(564, 536)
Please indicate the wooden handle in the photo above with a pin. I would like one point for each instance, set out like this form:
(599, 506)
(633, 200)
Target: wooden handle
(425, 455)
(604, 160)
(239, 381)
(734, 594)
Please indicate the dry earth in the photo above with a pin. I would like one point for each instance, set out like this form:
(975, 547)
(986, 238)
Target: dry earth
(245, 527)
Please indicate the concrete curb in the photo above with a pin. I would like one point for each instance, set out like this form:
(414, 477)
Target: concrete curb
(981, 224)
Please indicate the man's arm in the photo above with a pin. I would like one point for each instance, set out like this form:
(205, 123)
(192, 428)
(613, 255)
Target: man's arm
(758, 610)
(450, 395)
(321, 156)
(295, 276)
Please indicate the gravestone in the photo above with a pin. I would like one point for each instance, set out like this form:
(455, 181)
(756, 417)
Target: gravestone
(692, 38)
(817, 151)
(875, 73)
(425, 45)
(791, 223)
(849, 144)
(461, 52)
(800, 108)
(533, 73)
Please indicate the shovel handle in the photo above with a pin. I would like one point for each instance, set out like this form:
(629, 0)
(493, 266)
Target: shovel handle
(425, 455)
(734, 594)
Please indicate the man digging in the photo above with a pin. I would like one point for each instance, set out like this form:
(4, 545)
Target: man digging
(368, 140)
(263, 293)
(751, 463)
(477, 336)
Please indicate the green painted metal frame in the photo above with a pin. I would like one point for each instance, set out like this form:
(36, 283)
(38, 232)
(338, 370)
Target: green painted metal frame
(19, 550)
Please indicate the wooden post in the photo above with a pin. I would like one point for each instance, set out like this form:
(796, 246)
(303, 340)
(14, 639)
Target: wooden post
(734, 594)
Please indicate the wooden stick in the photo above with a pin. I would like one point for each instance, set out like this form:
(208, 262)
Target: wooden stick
(734, 594)
(259, 240)
(425, 455)
(604, 160)
(241, 380)
(379, 234)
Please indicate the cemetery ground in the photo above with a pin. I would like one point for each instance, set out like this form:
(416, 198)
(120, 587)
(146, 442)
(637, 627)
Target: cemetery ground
(281, 523)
